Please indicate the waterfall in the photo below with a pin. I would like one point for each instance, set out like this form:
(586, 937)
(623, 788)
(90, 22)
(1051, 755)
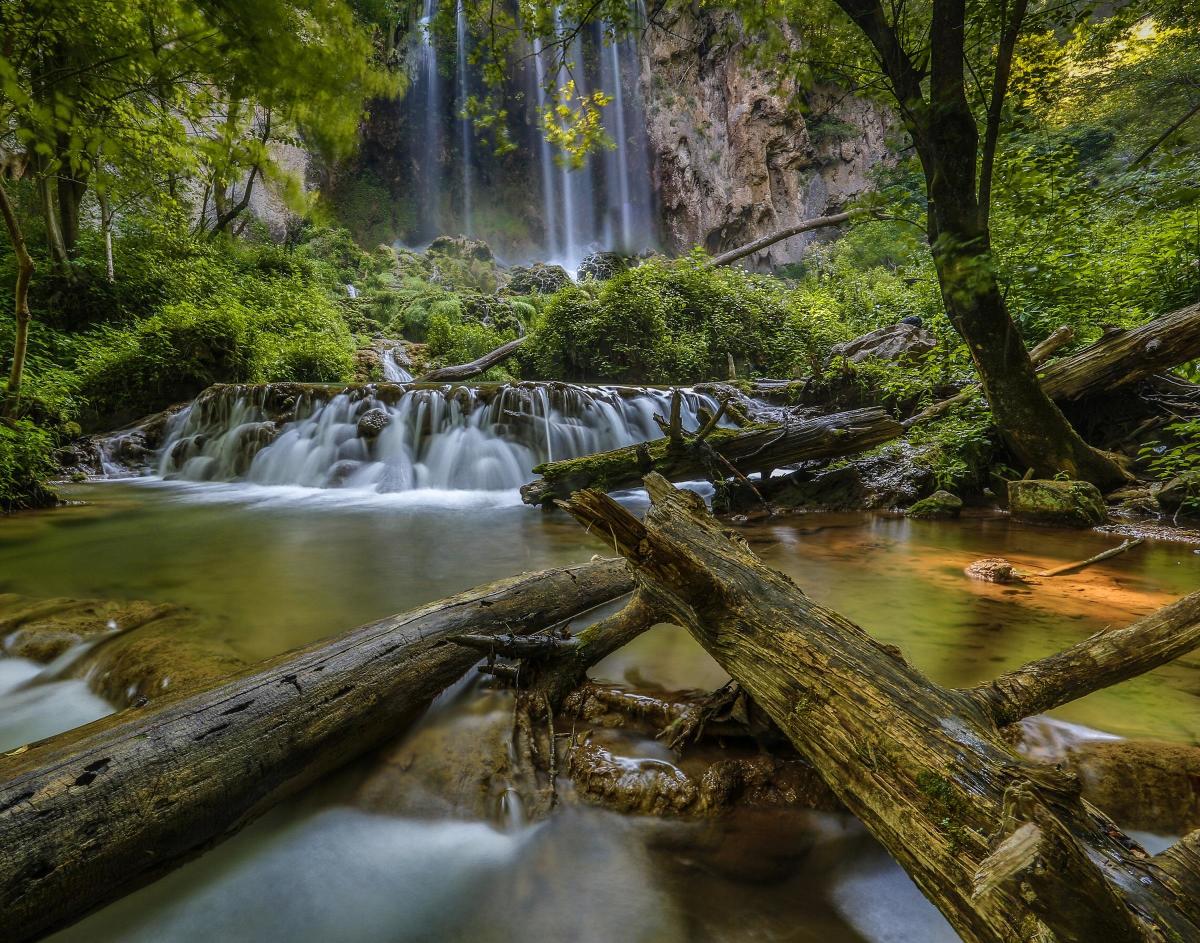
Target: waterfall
(431, 163)
(545, 158)
(607, 203)
(384, 438)
(392, 371)
(465, 119)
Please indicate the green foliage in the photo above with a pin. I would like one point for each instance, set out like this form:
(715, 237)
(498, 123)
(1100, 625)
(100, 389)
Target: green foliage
(1178, 458)
(678, 321)
(452, 342)
(26, 460)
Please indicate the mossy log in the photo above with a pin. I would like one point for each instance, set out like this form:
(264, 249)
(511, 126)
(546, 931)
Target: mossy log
(92, 814)
(760, 447)
(465, 371)
(1006, 848)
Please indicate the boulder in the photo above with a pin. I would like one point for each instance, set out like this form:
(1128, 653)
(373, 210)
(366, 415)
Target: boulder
(1180, 494)
(461, 247)
(1060, 502)
(373, 422)
(900, 342)
(603, 265)
(993, 570)
(536, 279)
(938, 506)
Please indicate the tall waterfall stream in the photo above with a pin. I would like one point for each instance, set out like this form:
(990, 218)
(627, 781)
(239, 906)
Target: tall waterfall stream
(283, 514)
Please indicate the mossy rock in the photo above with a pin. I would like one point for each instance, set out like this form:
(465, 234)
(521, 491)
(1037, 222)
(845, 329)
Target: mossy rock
(1063, 503)
(537, 279)
(941, 505)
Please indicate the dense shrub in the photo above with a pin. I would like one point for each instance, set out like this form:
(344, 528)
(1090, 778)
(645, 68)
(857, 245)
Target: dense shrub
(678, 321)
(25, 462)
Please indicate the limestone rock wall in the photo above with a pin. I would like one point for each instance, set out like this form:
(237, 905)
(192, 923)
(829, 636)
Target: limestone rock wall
(734, 156)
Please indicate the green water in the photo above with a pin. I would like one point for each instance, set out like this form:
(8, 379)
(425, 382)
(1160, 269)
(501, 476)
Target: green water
(271, 569)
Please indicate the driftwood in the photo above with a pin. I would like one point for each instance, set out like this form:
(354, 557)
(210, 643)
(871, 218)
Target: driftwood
(465, 371)
(723, 452)
(94, 813)
(1004, 847)
(1098, 558)
(779, 235)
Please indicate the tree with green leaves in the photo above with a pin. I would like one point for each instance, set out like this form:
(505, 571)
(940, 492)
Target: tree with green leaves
(103, 90)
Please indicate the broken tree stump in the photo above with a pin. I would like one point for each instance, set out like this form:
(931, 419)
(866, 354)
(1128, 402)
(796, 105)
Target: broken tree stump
(1004, 847)
(94, 813)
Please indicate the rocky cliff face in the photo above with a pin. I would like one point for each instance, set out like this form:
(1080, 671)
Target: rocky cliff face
(735, 157)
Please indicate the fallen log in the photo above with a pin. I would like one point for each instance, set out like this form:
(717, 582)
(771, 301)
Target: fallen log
(464, 371)
(1122, 357)
(765, 242)
(94, 813)
(1005, 848)
(758, 448)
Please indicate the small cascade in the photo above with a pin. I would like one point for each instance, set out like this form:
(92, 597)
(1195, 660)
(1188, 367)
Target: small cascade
(393, 372)
(388, 438)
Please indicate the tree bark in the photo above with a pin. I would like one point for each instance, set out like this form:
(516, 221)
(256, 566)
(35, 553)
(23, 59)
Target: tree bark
(464, 371)
(1005, 848)
(92, 814)
(760, 448)
(1123, 357)
(20, 302)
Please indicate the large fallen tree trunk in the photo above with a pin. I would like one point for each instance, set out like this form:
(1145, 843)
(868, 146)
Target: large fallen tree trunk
(761, 448)
(92, 814)
(765, 242)
(1004, 847)
(1120, 358)
(464, 371)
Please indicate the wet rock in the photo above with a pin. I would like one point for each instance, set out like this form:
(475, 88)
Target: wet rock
(1050, 501)
(603, 265)
(993, 570)
(368, 365)
(1143, 784)
(341, 472)
(42, 629)
(1179, 495)
(899, 342)
(373, 422)
(1135, 502)
(537, 279)
(140, 650)
(940, 505)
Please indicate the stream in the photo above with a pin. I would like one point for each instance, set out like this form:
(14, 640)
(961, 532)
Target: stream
(269, 567)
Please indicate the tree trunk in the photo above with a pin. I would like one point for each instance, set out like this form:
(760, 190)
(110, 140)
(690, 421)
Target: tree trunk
(464, 371)
(92, 814)
(765, 242)
(721, 452)
(1004, 847)
(70, 196)
(106, 223)
(20, 302)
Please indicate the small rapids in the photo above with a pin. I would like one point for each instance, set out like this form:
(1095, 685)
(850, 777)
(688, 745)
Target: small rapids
(386, 438)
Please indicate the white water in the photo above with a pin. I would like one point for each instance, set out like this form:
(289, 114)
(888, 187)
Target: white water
(464, 118)
(392, 371)
(457, 439)
(34, 705)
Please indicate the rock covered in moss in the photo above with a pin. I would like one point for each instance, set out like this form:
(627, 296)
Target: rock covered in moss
(1052, 501)
(603, 265)
(373, 422)
(993, 570)
(940, 505)
(537, 279)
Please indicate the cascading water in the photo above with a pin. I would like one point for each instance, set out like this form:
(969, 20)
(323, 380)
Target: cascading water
(464, 119)
(606, 204)
(390, 439)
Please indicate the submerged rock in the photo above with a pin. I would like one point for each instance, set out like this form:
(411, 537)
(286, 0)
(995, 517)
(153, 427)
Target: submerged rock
(993, 570)
(903, 342)
(1050, 501)
(139, 650)
(1143, 784)
(938, 506)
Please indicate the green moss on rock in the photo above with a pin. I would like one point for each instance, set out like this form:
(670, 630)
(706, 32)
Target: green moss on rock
(940, 505)
(1063, 503)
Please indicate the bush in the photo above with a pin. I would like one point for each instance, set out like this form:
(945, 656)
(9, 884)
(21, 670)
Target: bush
(26, 461)
(678, 321)
(451, 342)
